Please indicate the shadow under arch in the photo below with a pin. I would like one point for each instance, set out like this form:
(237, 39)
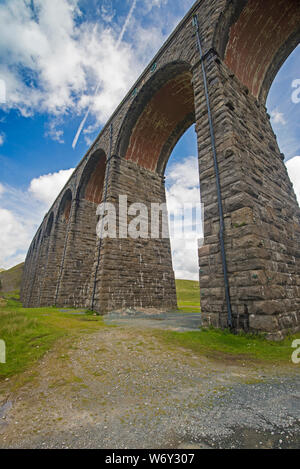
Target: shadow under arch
(159, 115)
(49, 225)
(64, 209)
(254, 38)
(91, 183)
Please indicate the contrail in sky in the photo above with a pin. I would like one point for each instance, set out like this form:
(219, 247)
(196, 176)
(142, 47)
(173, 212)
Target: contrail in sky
(127, 21)
(120, 38)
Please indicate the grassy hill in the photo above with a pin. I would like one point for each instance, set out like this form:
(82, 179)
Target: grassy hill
(188, 295)
(10, 280)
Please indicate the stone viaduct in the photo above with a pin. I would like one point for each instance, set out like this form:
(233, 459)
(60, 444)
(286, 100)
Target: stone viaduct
(250, 263)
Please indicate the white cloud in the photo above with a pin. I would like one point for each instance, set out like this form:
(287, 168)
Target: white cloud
(2, 139)
(107, 11)
(47, 187)
(185, 260)
(54, 133)
(51, 63)
(21, 212)
(183, 188)
(53, 57)
(13, 238)
(293, 167)
(278, 117)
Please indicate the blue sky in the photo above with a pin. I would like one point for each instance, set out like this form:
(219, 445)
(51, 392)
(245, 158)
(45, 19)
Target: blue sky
(53, 54)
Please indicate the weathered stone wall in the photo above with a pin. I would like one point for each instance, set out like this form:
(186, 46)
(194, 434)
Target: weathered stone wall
(262, 217)
(68, 265)
(134, 272)
(80, 252)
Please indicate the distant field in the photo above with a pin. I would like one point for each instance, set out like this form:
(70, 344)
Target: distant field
(188, 296)
(10, 280)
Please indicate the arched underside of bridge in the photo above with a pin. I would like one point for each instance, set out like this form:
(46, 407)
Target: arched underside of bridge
(159, 118)
(139, 272)
(254, 39)
(244, 44)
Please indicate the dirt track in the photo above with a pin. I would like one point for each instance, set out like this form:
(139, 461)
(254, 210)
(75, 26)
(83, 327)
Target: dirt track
(123, 388)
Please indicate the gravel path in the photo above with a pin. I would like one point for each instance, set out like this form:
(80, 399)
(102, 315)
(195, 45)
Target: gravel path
(123, 388)
(155, 319)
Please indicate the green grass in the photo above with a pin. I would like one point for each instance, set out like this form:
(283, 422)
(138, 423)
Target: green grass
(216, 343)
(29, 333)
(188, 296)
(11, 279)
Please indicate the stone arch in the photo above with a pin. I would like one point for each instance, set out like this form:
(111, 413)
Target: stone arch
(64, 208)
(80, 243)
(159, 115)
(254, 39)
(43, 247)
(35, 264)
(49, 225)
(160, 112)
(91, 183)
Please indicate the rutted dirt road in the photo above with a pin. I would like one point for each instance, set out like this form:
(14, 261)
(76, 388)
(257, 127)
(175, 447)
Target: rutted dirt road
(124, 388)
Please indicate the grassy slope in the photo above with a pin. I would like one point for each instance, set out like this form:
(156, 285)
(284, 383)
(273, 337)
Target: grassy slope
(10, 280)
(29, 333)
(188, 296)
(221, 344)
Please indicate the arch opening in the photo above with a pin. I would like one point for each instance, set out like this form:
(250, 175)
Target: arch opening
(159, 124)
(65, 206)
(255, 38)
(92, 181)
(49, 225)
(283, 105)
(182, 186)
(162, 112)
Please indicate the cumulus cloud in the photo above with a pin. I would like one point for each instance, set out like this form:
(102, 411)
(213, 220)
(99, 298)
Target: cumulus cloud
(183, 189)
(47, 187)
(21, 212)
(54, 57)
(52, 62)
(2, 138)
(13, 238)
(293, 167)
(278, 117)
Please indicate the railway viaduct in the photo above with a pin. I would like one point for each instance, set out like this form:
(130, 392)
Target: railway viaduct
(214, 71)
